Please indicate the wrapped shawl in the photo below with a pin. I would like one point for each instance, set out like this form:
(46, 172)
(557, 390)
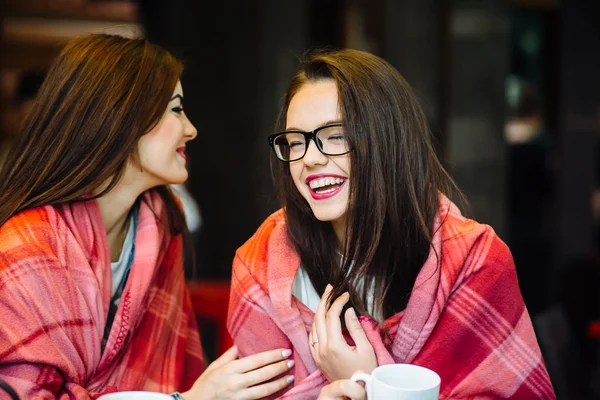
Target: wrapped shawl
(55, 288)
(465, 319)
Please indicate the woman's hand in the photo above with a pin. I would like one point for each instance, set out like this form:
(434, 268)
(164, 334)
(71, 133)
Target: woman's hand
(343, 389)
(334, 357)
(229, 378)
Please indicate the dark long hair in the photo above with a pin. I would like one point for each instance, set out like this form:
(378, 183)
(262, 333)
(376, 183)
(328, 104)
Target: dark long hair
(101, 94)
(396, 179)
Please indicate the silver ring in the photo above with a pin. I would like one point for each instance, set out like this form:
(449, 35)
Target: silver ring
(313, 343)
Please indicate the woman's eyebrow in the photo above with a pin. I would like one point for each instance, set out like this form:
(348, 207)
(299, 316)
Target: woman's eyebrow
(177, 96)
(332, 122)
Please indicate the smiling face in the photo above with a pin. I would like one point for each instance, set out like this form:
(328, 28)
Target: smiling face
(162, 149)
(324, 181)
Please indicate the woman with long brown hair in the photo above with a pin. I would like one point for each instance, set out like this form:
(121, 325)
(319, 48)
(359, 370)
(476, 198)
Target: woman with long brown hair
(367, 221)
(92, 290)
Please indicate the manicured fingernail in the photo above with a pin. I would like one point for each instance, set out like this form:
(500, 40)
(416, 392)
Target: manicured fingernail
(290, 363)
(352, 313)
(286, 353)
(290, 378)
(328, 286)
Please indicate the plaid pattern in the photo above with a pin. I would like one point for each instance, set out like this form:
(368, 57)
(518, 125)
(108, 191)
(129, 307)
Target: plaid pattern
(466, 320)
(55, 287)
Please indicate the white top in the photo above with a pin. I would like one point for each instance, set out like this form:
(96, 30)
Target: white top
(191, 210)
(303, 290)
(119, 267)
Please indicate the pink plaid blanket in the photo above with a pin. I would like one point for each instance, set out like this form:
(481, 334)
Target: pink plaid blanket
(466, 320)
(55, 287)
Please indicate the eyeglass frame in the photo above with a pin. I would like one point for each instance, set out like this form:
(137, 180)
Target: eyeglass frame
(308, 136)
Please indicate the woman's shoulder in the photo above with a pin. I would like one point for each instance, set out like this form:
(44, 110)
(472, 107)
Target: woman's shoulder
(254, 252)
(29, 224)
(30, 233)
(455, 225)
(261, 237)
(469, 242)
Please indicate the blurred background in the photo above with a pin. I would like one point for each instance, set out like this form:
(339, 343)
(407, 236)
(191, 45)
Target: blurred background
(511, 89)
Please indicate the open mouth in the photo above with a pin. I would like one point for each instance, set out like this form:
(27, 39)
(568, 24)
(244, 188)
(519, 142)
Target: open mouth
(181, 152)
(326, 185)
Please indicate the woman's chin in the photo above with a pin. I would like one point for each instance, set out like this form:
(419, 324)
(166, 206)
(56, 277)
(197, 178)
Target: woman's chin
(179, 181)
(328, 215)
(175, 179)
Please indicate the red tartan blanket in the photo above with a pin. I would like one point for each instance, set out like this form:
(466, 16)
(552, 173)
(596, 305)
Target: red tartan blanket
(466, 320)
(55, 287)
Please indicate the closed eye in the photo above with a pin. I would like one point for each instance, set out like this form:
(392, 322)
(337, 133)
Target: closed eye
(178, 109)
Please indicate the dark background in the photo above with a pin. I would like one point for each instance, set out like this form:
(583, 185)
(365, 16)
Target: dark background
(484, 69)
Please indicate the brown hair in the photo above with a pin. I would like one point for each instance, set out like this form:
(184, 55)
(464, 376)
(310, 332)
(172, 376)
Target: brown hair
(396, 180)
(101, 94)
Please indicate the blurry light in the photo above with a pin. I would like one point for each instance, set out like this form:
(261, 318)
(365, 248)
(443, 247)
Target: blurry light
(52, 30)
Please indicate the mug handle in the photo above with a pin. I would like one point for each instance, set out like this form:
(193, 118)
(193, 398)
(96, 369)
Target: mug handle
(367, 379)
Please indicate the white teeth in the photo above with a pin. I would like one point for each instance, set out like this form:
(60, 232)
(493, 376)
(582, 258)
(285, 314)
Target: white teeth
(318, 183)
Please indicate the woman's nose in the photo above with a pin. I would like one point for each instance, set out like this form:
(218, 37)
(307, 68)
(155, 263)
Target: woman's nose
(313, 155)
(189, 130)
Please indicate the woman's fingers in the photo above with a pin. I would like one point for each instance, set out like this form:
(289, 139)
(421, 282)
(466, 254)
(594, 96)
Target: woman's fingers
(356, 330)
(259, 360)
(266, 389)
(230, 355)
(313, 342)
(266, 373)
(334, 326)
(327, 328)
(351, 389)
(319, 328)
(342, 389)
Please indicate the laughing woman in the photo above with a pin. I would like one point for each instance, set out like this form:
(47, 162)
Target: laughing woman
(367, 225)
(92, 291)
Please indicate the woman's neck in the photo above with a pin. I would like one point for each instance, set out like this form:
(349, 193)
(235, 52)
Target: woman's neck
(339, 227)
(114, 208)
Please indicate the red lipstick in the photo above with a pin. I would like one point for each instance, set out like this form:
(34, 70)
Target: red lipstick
(325, 195)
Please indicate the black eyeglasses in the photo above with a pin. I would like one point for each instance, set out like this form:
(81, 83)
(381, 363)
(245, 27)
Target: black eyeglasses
(290, 146)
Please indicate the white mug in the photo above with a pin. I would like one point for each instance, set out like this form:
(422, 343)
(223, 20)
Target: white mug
(401, 382)
(136, 395)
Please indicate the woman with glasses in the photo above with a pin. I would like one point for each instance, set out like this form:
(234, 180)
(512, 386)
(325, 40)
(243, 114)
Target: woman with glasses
(92, 291)
(369, 262)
